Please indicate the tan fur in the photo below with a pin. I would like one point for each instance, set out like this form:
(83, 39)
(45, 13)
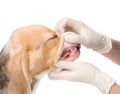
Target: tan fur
(30, 51)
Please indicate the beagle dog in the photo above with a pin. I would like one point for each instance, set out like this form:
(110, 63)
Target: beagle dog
(30, 51)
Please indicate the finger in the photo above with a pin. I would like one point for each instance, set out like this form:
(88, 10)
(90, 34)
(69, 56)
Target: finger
(61, 25)
(65, 65)
(72, 37)
(62, 75)
(59, 29)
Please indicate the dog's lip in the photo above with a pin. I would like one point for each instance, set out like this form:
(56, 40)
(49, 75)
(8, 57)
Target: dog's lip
(70, 50)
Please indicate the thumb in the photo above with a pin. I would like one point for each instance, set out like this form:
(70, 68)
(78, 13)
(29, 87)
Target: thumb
(72, 37)
(65, 65)
(65, 70)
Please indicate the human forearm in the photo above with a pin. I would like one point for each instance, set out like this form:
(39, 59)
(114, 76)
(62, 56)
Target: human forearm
(115, 89)
(114, 53)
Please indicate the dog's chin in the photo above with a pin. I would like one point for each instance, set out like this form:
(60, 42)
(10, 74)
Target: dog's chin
(71, 53)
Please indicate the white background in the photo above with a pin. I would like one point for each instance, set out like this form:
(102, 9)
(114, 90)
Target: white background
(101, 15)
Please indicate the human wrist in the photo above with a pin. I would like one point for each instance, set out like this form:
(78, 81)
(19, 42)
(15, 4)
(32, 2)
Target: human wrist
(107, 47)
(103, 81)
(115, 89)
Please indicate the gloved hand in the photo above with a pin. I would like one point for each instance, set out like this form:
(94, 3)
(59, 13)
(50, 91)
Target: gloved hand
(84, 35)
(83, 72)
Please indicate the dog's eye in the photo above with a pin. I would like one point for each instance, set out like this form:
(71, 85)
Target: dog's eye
(52, 41)
(53, 37)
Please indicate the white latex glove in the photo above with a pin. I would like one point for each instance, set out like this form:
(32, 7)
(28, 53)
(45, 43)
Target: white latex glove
(83, 72)
(84, 35)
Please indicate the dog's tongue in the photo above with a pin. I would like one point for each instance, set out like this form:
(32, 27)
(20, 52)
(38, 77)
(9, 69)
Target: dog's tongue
(66, 53)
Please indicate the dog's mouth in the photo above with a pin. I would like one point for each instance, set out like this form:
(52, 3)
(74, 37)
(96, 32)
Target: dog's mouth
(71, 52)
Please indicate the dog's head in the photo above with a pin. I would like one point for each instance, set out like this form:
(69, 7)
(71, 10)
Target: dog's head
(32, 50)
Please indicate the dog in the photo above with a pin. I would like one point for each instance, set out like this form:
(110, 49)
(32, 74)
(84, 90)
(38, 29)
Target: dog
(31, 51)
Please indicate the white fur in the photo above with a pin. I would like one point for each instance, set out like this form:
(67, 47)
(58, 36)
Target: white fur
(39, 76)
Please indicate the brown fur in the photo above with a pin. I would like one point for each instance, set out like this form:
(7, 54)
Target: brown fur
(30, 51)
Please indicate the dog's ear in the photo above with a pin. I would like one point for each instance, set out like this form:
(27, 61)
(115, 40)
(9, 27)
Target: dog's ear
(52, 50)
(19, 80)
(3, 74)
